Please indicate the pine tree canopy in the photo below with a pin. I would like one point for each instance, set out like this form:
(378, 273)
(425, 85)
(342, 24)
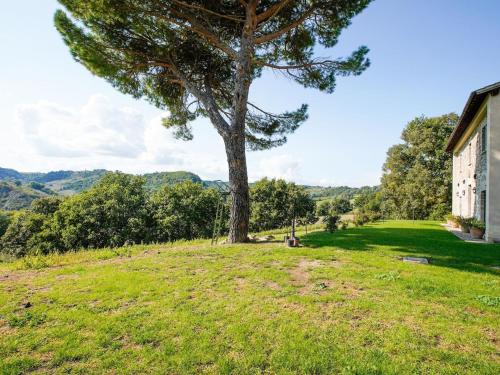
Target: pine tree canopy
(198, 58)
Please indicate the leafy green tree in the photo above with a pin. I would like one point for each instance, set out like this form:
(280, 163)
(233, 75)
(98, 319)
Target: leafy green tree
(199, 58)
(109, 214)
(323, 207)
(46, 205)
(185, 210)
(338, 205)
(417, 173)
(5, 219)
(32, 231)
(275, 203)
(367, 206)
(20, 238)
(341, 205)
(331, 221)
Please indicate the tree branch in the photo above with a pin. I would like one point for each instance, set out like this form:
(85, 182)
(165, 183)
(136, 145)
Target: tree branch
(197, 7)
(297, 66)
(197, 28)
(269, 37)
(206, 98)
(272, 11)
(268, 113)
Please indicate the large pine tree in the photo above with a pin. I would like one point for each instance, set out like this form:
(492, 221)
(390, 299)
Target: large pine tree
(199, 58)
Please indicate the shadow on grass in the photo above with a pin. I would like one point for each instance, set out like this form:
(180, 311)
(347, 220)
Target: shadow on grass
(422, 239)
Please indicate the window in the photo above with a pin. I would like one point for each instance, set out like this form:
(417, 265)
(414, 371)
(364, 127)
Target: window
(484, 138)
(483, 206)
(470, 154)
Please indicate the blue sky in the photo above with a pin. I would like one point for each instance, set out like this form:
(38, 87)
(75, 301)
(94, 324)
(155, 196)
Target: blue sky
(426, 58)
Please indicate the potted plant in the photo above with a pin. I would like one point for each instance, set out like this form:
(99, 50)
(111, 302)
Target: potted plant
(477, 228)
(464, 223)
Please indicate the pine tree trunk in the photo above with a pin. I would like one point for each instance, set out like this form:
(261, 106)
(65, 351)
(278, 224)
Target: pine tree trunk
(238, 182)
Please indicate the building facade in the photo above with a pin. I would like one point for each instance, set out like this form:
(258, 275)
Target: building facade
(475, 144)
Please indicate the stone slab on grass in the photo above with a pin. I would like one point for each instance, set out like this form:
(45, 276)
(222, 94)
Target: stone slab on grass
(415, 260)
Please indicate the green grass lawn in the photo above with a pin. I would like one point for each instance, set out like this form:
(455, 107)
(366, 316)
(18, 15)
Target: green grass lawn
(343, 303)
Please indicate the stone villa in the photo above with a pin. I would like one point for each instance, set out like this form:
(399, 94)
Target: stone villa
(475, 144)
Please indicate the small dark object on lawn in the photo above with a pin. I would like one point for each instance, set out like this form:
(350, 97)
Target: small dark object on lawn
(322, 286)
(27, 305)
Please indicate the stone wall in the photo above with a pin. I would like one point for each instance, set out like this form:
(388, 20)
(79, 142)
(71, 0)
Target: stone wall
(469, 176)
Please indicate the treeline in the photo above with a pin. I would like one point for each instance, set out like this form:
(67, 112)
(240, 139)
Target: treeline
(417, 178)
(120, 210)
(416, 181)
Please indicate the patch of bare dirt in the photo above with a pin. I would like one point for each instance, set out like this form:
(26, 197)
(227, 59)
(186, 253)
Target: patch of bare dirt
(300, 277)
(300, 274)
(127, 343)
(272, 285)
(240, 283)
(351, 290)
(492, 337)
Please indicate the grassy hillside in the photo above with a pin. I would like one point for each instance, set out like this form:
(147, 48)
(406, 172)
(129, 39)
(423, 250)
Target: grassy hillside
(344, 303)
(15, 197)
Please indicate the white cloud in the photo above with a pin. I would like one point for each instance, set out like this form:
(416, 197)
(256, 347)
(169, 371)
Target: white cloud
(97, 128)
(48, 136)
(279, 166)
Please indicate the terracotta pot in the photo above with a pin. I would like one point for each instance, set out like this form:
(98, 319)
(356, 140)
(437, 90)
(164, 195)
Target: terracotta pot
(465, 228)
(477, 233)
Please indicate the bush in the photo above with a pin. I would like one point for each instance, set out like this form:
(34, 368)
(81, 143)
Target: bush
(275, 203)
(475, 223)
(452, 218)
(439, 211)
(5, 219)
(339, 205)
(108, 215)
(185, 210)
(331, 222)
(360, 219)
(46, 205)
(20, 237)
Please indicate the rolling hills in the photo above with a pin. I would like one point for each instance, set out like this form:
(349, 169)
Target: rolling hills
(19, 189)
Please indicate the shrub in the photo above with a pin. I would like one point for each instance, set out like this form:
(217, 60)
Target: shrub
(439, 211)
(360, 219)
(275, 203)
(46, 205)
(185, 210)
(452, 218)
(465, 221)
(107, 215)
(20, 237)
(331, 222)
(475, 223)
(5, 219)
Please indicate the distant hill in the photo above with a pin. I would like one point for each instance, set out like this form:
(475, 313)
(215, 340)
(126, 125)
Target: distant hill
(322, 192)
(156, 180)
(15, 196)
(18, 189)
